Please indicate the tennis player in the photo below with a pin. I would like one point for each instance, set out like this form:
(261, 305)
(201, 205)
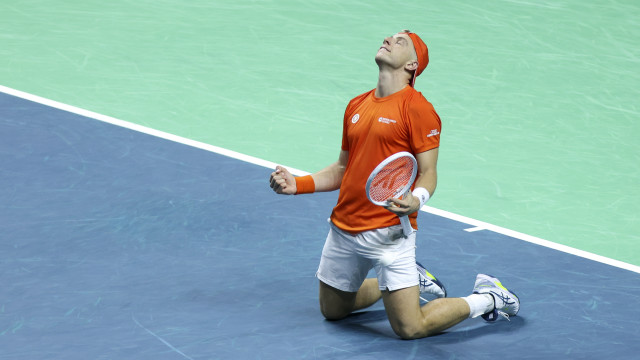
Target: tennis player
(391, 118)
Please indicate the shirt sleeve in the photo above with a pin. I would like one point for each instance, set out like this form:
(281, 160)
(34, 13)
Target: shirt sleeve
(425, 126)
(345, 141)
(348, 112)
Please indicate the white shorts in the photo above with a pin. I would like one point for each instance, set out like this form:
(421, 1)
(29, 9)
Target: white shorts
(346, 259)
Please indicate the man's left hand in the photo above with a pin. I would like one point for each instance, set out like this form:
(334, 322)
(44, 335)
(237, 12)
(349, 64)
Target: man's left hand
(401, 207)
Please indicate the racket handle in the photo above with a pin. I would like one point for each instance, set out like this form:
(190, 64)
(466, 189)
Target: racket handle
(406, 225)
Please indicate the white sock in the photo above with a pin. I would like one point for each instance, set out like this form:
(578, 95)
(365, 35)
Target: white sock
(479, 304)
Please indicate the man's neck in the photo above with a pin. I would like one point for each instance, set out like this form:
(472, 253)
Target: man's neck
(390, 82)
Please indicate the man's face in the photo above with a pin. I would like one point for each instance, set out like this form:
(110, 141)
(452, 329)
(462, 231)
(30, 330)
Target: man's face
(396, 50)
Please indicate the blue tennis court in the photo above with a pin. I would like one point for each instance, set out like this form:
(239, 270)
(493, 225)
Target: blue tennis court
(121, 245)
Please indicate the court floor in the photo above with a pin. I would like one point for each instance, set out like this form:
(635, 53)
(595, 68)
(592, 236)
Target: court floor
(120, 245)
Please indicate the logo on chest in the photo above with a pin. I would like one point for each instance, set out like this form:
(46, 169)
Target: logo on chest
(384, 120)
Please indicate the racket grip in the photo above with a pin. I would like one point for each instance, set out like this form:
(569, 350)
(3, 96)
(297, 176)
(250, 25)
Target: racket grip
(406, 225)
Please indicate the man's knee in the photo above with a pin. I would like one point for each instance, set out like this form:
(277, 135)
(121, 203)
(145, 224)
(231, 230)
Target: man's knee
(410, 332)
(335, 304)
(405, 314)
(416, 329)
(332, 312)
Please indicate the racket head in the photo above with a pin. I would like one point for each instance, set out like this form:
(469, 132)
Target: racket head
(392, 178)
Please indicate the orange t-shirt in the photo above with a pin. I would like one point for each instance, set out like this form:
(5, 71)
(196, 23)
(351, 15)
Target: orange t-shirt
(375, 128)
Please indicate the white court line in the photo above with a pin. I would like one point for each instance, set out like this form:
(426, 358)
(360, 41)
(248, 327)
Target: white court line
(477, 224)
(480, 225)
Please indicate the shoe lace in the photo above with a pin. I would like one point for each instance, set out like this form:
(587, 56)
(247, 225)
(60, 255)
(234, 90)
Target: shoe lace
(503, 314)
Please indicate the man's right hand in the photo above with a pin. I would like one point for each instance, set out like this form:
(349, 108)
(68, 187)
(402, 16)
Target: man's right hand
(282, 182)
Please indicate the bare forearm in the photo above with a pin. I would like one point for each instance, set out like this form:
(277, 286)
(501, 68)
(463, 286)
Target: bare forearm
(427, 173)
(428, 180)
(329, 178)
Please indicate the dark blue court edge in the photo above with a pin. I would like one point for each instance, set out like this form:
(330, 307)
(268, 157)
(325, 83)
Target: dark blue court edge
(119, 245)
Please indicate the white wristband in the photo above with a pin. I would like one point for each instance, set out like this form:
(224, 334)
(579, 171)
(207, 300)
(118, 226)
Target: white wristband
(422, 194)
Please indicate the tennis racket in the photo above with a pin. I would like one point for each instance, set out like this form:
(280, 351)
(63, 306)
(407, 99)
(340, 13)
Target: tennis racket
(393, 178)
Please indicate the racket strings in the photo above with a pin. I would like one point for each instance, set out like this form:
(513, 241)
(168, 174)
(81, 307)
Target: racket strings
(391, 181)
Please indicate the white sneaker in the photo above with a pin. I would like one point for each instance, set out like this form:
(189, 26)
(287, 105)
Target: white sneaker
(429, 284)
(506, 302)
